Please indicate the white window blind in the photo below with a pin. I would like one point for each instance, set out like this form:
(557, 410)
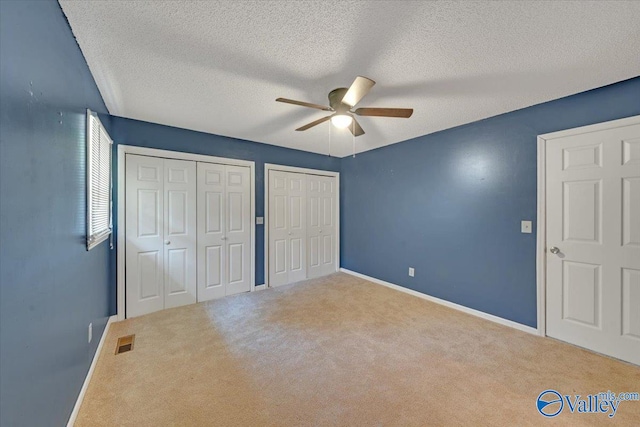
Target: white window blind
(98, 181)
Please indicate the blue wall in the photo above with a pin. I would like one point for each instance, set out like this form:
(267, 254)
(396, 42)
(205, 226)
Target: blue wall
(50, 286)
(450, 204)
(144, 134)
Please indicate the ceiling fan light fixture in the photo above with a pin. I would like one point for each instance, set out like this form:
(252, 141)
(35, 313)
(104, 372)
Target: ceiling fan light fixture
(341, 120)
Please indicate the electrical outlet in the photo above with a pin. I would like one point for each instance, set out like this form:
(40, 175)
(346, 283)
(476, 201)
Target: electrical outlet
(412, 272)
(525, 227)
(90, 331)
(259, 220)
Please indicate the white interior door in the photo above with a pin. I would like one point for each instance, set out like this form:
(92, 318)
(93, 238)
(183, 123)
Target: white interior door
(224, 223)
(179, 232)
(287, 227)
(144, 198)
(593, 241)
(321, 227)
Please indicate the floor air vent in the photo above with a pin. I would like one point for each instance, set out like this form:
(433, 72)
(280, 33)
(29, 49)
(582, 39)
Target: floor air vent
(125, 344)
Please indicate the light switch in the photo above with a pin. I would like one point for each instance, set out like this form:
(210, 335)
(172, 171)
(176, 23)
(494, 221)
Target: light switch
(525, 226)
(259, 220)
(412, 272)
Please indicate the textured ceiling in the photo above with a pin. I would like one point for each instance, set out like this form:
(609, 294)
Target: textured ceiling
(218, 66)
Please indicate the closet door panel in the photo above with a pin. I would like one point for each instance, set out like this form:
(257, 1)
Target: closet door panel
(144, 201)
(314, 226)
(148, 273)
(297, 235)
(328, 230)
(314, 255)
(327, 254)
(280, 256)
(214, 267)
(278, 228)
(211, 220)
(179, 232)
(238, 226)
(177, 272)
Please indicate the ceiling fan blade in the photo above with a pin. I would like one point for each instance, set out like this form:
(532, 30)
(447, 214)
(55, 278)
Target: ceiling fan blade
(355, 128)
(385, 112)
(312, 124)
(358, 89)
(304, 104)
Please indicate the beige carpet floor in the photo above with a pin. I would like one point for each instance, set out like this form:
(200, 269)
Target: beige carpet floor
(339, 351)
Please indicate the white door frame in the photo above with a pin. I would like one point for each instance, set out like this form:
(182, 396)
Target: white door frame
(541, 226)
(166, 154)
(269, 167)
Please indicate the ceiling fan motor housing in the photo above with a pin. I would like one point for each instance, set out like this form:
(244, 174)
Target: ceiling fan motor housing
(335, 100)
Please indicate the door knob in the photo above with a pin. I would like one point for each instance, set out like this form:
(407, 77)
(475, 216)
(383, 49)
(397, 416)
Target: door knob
(167, 242)
(554, 250)
(223, 238)
(320, 231)
(290, 233)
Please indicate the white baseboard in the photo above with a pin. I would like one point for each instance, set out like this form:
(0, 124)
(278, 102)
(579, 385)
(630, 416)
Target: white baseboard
(481, 314)
(260, 287)
(87, 380)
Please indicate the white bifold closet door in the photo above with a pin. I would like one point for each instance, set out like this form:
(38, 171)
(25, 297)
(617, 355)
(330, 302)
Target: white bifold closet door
(321, 227)
(160, 233)
(287, 227)
(224, 224)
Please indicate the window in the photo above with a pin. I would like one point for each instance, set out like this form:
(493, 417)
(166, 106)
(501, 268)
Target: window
(98, 181)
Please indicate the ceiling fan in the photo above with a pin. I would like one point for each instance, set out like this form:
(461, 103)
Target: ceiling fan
(342, 100)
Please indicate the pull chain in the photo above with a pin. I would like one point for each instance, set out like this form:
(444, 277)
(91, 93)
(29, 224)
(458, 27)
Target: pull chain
(353, 137)
(330, 136)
